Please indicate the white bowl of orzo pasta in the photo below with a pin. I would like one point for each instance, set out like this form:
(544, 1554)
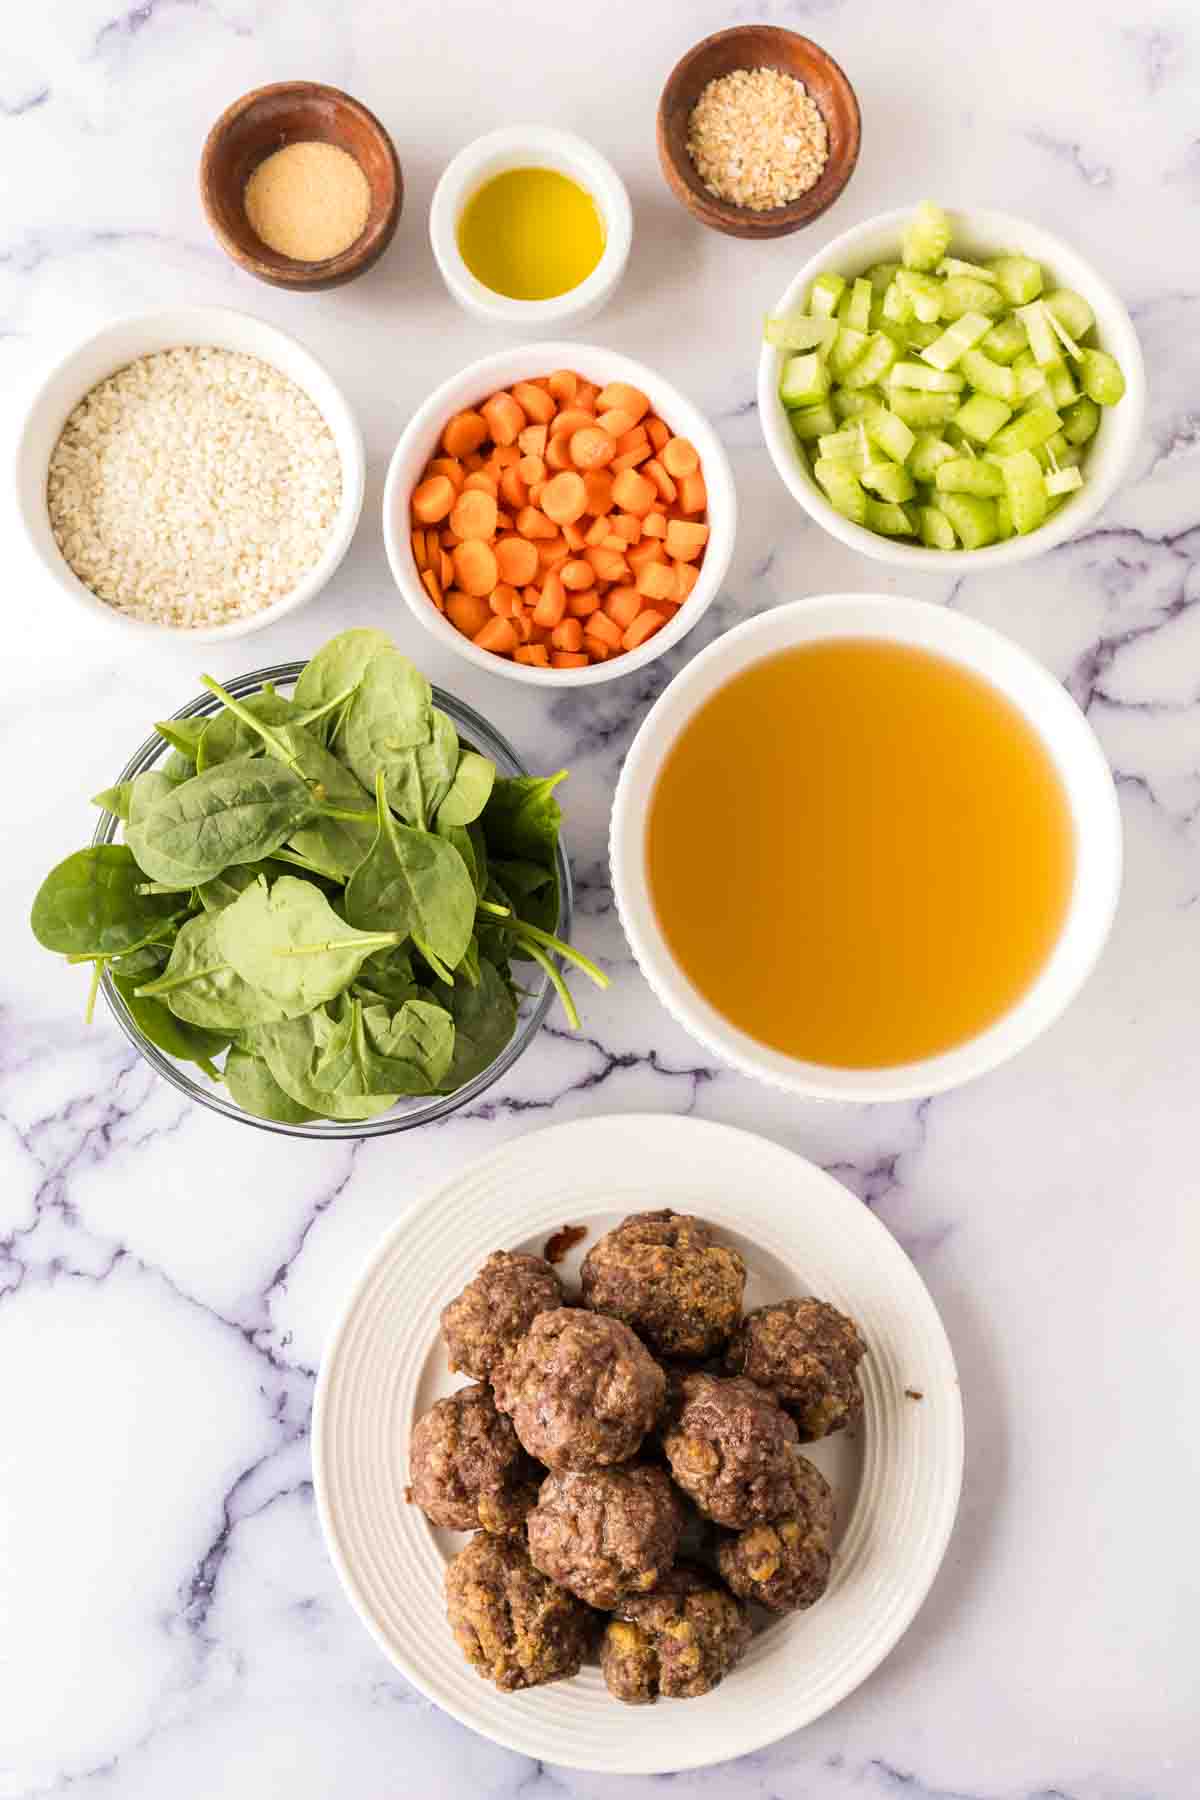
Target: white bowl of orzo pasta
(193, 472)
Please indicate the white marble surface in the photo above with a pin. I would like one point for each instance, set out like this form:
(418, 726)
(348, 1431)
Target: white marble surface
(169, 1623)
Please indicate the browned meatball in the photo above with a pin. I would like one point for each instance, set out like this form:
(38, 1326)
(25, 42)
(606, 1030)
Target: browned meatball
(785, 1563)
(662, 1274)
(512, 1624)
(582, 1391)
(468, 1470)
(807, 1353)
(679, 1640)
(733, 1450)
(493, 1312)
(606, 1532)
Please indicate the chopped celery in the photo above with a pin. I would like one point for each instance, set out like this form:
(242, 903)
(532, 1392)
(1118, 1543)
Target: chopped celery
(928, 451)
(988, 376)
(1030, 379)
(930, 381)
(969, 475)
(1072, 311)
(880, 277)
(858, 313)
(973, 519)
(946, 350)
(873, 364)
(936, 529)
(890, 433)
(981, 417)
(1063, 481)
(1042, 338)
(1018, 277)
(920, 334)
(924, 294)
(1080, 421)
(1025, 491)
(954, 265)
(897, 304)
(798, 331)
(811, 422)
(887, 519)
(1101, 375)
(848, 405)
(1004, 525)
(926, 237)
(1025, 432)
(805, 380)
(1061, 383)
(846, 351)
(847, 445)
(1005, 340)
(824, 295)
(963, 294)
(889, 480)
(843, 489)
(922, 411)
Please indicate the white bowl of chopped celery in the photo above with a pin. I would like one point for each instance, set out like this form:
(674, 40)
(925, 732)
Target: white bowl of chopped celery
(943, 387)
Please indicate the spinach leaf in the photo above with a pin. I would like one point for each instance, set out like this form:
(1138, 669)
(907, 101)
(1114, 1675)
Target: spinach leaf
(224, 889)
(183, 735)
(485, 1018)
(115, 799)
(187, 1043)
(228, 737)
(144, 963)
(287, 942)
(469, 791)
(334, 845)
(468, 841)
(291, 1051)
(254, 1088)
(387, 975)
(335, 672)
(420, 775)
(531, 890)
(203, 988)
(522, 818)
(392, 711)
(90, 904)
(416, 884)
(373, 1051)
(235, 813)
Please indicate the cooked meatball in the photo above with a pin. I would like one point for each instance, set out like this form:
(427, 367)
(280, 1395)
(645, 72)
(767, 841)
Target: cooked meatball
(679, 1640)
(662, 1274)
(582, 1391)
(512, 1624)
(807, 1353)
(606, 1532)
(468, 1470)
(785, 1563)
(493, 1312)
(733, 1450)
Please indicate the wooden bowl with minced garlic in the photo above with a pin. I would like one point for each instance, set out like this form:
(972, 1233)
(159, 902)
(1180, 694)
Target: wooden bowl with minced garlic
(747, 48)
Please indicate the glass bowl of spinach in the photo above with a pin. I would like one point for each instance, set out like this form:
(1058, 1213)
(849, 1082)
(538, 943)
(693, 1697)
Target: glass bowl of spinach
(342, 980)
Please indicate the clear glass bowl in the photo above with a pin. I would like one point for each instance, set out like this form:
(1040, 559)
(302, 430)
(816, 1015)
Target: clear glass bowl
(533, 1006)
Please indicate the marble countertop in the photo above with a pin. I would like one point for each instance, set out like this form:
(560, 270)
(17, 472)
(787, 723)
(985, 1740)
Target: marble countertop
(169, 1622)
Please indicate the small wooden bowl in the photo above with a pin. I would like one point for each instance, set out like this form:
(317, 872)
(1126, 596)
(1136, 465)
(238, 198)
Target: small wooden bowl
(293, 112)
(758, 47)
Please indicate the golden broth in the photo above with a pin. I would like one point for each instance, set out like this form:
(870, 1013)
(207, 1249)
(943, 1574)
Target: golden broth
(860, 853)
(531, 234)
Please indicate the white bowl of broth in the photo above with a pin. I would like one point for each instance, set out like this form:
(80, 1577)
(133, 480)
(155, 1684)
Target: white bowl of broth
(864, 848)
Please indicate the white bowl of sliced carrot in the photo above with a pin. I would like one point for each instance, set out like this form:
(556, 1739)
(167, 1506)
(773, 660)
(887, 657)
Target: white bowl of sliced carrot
(558, 513)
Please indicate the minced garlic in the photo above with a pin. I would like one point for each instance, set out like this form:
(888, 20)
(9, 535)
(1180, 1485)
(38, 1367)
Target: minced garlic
(757, 139)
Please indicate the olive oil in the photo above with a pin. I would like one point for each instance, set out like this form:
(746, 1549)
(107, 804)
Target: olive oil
(860, 853)
(531, 234)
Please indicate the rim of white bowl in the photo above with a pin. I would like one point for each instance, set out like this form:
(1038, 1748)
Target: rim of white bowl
(1061, 728)
(121, 342)
(537, 146)
(473, 384)
(976, 231)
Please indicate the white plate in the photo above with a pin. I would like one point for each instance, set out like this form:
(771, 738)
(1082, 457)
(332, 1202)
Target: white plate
(897, 1483)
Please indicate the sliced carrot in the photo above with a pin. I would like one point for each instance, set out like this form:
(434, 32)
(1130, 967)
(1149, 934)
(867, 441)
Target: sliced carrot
(581, 606)
(448, 539)
(654, 471)
(628, 526)
(623, 604)
(568, 635)
(577, 574)
(419, 550)
(591, 447)
(575, 535)
(475, 569)
(693, 495)
(514, 489)
(562, 385)
(534, 438)
(445, 567)
(472, 462)
(634, 439)
(433, 499)
(474, 515)
(686, 577)
(504, 456)
(433, 588)
(565, 498)
(654, 525)
(504, 600)
(534, 524)
(498, 635)
(503, 520)
(536, 491)
(602, 627)
(517, 560)
(586, 395)
(633, 493)
(643, 627)
(598, 530)
(616, 422)
(464, 433)
(450, 467)
(680, 457)
(609, 565)
(505, 420)
(468, 613)
(650, 550)
(558, 453)
(657, 581)
(597, 652)
(553, 603)
(534, 402)
(685, 541)
(658, 433)
(597, 485)
(668, 609)
(613, 542)
(553, 553)
(562, 659)
(536, 655)
(629, 399)
(482, 482)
